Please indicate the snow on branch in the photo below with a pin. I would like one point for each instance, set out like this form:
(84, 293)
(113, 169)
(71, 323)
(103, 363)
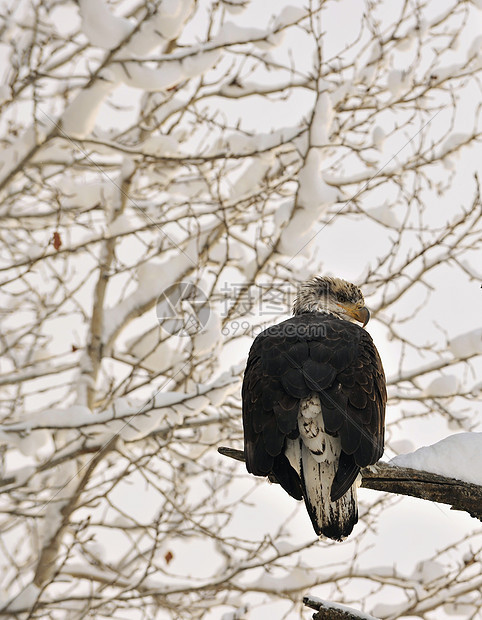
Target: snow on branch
(460, 495)
(326, 610)
(130, 419)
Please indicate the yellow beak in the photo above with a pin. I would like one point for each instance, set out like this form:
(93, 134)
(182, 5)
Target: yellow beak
(359, 314)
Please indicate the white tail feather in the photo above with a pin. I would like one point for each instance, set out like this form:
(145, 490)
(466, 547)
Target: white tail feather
(315, 455)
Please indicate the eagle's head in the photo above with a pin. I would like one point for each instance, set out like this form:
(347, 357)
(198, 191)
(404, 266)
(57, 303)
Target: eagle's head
(332, 296)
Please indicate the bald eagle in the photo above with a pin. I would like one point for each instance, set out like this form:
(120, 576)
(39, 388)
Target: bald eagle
(314, 395)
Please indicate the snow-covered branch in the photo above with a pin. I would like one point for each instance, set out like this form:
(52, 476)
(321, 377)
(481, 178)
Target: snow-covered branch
(332, 611)
(459, 494)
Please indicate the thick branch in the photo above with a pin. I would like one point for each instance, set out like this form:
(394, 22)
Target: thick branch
(458, 494)
(48, 555)
(332, 611)
(95, 345)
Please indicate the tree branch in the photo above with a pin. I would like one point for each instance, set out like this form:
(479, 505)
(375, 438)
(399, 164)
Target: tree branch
(48, 555)
(332, 611)
(458, 494)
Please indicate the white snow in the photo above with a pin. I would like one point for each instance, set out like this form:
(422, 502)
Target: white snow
(160, 144)
(154, 278)
(208, 339)
(343, 608)
(397, 81)
(271, 40)
(189, 188)
(313, 193)
(297, 236)
(137, 75)
(152, 353)
(172, 17)
(454, 142)
(406, 42)
(289, 15)
(385, 215)
(368, 74)
(86, 195)
(428, 571)
(11, 155)
(386, 610)
(32, 442)
(25, 600)
(467, 344)
(198, 64)
(237, 614)
(474, 271)
(5, 93)
(121, 225)
(296, 577)
(284, 547)
(445, 385)
(164, 24)
(74, 416)
(476, 46)
(378, 137)
(448, 163)
(240, 143)
(309, 178)
(233, 33)
(252, 176)
(235, 6)
(100, 26)
(217, 396)
(136, 425)
(375, 52)
(457, 456)
(282, 214)
(129, 418)
(443, 73)
(343, 91)
(21, 474)
(78, 119)
(322, 120)
(462, 609)
(27, 442)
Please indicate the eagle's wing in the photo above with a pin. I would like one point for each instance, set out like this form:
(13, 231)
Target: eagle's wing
(289, 361)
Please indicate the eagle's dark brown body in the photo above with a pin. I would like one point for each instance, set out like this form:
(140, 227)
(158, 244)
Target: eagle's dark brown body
(315, 353)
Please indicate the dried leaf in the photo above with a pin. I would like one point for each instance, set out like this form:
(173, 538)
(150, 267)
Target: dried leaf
(56, 240)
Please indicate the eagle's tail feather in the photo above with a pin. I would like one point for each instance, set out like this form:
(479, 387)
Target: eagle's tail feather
(332, 519)
(327, 475)
(346, 475)
(287, 477)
